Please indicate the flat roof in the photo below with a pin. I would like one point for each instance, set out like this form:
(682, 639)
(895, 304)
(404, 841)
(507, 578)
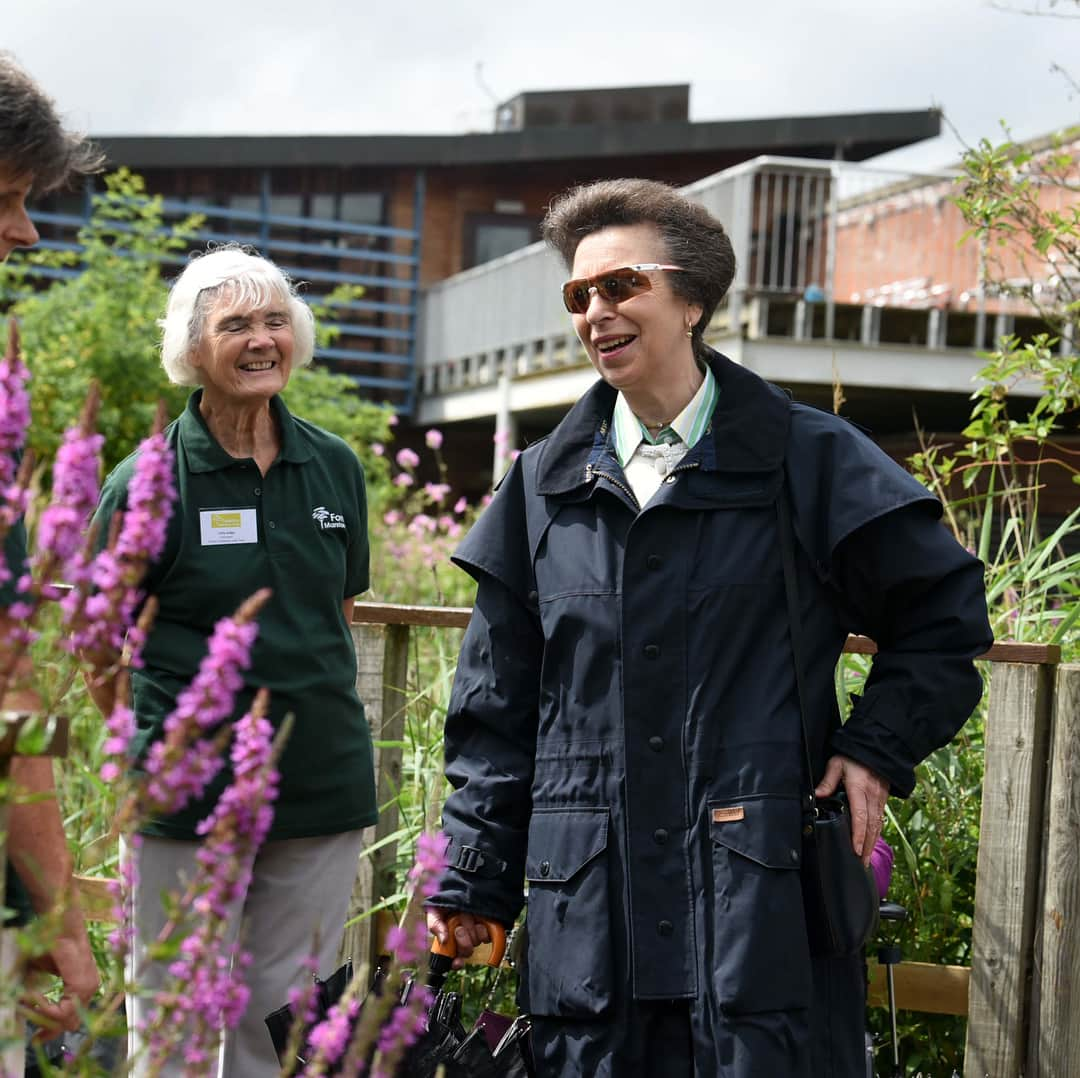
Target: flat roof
(857, 135)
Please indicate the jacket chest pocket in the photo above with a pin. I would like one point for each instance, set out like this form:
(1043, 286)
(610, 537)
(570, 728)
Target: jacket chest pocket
(761, 959)
(569, 963)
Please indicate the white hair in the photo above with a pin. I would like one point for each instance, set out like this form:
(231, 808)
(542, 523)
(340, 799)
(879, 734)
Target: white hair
(247, 277)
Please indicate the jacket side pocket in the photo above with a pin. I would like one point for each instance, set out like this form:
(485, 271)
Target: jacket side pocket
(569, 961)
(761, 959)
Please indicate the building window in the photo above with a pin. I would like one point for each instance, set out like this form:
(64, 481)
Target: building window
(492, 235)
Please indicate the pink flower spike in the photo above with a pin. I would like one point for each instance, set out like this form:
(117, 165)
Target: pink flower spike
(434, 439)
(14, 405)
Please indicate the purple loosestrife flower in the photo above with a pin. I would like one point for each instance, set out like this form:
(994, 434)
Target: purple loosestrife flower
(121, 728)
(430, 862)
(14, 405)
(406, 458)
(60, 537)
(179, 766)
(388, 1028)
(304, 1001)
(210, 990)
(14, 423)
(402, 1030)
(330, 1037)
(98, 622)
(122, 937)
(409, 945)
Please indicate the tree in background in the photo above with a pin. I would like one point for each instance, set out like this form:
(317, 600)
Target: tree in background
(101, 326)
(1023, 203)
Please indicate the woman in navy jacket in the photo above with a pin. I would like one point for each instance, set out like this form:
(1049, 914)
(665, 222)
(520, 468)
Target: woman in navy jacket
(624, 732)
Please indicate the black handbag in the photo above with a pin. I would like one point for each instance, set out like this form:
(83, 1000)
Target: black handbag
(840, 898)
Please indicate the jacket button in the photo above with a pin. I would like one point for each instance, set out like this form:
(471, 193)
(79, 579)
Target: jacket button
(654, 561)
(794, 855)
(665, 928)
(534, 596)
(545, 868)
(656, 743)
(652, 651)
(660, 836)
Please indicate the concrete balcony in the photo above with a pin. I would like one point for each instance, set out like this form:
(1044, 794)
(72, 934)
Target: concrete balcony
(496, 343)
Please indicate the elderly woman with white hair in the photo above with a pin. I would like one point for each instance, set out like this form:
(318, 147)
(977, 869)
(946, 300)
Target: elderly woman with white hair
(265, 499)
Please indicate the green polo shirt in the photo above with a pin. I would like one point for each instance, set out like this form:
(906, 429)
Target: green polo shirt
(300, 530)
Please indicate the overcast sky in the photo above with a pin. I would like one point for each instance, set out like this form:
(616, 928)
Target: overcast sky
(439, 66)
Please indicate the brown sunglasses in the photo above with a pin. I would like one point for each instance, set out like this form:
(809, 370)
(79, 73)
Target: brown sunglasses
(612, 286)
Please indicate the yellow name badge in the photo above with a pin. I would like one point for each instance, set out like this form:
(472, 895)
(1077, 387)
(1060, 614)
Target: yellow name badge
(225, 527)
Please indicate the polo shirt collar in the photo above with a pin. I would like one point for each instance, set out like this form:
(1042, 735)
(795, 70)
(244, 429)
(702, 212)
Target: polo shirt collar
(204, 453)
(689, 424)
(749, 429)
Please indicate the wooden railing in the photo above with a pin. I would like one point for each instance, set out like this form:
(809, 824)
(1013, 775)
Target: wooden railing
(1022, 991)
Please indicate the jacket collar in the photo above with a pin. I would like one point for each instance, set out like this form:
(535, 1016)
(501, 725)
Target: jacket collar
(748, 432)
(204, 453)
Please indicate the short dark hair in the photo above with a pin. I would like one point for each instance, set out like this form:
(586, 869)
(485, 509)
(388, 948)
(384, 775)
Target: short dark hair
(692, 237)
(33, 141)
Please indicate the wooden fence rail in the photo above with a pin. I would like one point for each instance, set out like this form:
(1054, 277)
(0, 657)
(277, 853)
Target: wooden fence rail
(1022, 992)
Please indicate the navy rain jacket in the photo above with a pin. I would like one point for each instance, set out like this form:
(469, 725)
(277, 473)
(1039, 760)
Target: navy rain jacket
(628, 671)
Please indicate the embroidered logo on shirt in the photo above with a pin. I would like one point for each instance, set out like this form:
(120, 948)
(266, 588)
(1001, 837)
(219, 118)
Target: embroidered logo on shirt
(728, 815)
(325, 519)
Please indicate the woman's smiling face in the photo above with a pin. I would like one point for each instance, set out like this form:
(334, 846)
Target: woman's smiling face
(245, 354)
(641, 343)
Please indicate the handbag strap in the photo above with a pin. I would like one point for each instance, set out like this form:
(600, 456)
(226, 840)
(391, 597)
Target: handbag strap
(791, 591)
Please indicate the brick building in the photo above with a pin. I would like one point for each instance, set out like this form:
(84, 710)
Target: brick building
(900, 247)
(398, 213)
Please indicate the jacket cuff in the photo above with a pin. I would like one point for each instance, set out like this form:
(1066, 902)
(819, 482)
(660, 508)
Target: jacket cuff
(477, 881)
(875, 744)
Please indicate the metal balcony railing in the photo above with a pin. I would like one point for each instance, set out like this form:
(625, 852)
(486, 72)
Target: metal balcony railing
(824, 249)
(376, 333)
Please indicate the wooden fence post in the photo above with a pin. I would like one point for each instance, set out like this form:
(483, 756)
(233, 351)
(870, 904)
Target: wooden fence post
(1007, 879)
(382, 655)
(1054, 1044)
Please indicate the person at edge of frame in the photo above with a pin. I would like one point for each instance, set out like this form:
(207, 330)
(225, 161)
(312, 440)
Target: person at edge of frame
(624, 729)
(37, 155)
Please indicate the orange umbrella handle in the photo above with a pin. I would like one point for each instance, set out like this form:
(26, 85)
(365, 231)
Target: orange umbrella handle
(496, 931)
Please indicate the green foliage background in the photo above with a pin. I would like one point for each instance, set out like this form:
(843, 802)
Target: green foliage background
(101, 325)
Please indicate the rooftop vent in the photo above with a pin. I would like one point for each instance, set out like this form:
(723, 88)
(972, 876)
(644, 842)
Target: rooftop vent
(575, 108)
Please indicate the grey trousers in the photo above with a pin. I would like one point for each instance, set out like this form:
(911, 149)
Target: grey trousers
(295, 907)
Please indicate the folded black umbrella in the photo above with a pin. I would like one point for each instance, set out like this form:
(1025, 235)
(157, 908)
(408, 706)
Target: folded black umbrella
(446, 1043)
(495, 1048)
